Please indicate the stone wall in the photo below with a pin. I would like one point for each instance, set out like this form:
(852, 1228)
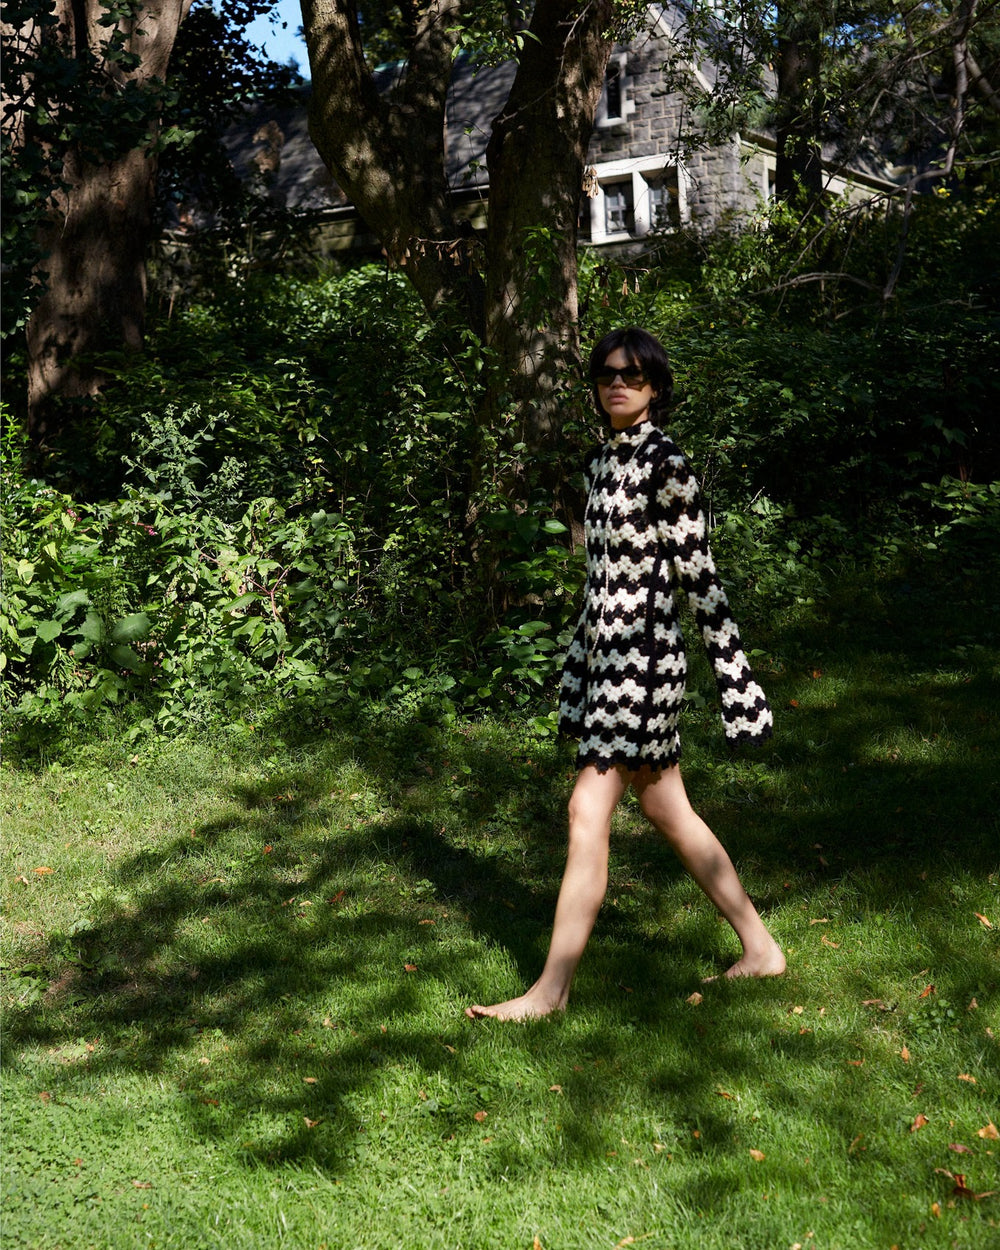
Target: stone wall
(718, 181)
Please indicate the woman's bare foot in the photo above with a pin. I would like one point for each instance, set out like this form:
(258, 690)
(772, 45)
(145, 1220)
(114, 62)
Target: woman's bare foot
(769, 962)
(530, 1006)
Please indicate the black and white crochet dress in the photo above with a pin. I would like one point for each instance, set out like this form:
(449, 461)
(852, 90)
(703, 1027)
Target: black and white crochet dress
(623, 679)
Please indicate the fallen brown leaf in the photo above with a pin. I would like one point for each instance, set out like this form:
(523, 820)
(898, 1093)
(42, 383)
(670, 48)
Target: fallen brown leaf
(480, 1116)
(310, 1080)
(758, 1155)
(936, 1210)
(826, 942)
(694, 999)
(904, 1054)
(722, 1094)
(979, 916)
(409, 967)
(820, 920)
(142, 1184)
(988, 1132)
(555, 1089)
(959, 1149)
(928, 989)
(310, 1123)
(43, 871)
(919, 1121)
(964, 1076)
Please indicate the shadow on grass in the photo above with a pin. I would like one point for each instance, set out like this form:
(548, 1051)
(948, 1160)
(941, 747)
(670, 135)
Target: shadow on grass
(340, 943)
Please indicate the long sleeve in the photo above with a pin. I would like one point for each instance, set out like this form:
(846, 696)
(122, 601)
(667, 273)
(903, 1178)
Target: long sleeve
(682, 531)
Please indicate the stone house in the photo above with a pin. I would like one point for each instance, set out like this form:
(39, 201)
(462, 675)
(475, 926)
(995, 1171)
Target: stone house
(639, 178)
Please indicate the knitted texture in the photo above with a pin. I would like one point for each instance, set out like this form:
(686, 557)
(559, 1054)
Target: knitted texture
(623, 679)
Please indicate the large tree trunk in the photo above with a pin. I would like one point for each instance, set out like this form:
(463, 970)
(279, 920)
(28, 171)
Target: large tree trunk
(535, 157)
(386, 148)
(97, 231)
(387, 151)
(799, 105)
(94, 297)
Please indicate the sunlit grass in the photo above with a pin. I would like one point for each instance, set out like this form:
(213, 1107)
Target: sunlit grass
(233, 1007)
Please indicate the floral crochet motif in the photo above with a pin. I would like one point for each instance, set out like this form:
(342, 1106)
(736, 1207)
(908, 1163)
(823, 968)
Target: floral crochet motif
(623, 680)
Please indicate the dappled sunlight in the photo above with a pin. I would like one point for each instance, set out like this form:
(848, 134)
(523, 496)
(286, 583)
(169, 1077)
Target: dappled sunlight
(278, 957)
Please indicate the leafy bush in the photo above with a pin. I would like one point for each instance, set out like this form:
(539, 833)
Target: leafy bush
(290, 499)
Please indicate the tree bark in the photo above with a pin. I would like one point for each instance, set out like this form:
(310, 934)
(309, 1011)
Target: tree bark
(97, 230)
(386, 148)
(387, 151)
(799, 108)
(536, 157)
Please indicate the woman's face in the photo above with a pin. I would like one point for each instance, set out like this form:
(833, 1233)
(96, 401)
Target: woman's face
(624, 390)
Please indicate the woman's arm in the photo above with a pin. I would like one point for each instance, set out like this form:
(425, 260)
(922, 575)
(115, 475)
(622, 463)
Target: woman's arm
(681, 528)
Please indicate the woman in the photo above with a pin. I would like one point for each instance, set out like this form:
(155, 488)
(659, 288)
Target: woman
(623, 681)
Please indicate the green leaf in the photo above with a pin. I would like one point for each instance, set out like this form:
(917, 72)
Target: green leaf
(93, 627)
(131, 628)
(48, 630)
(527, 527)
(125, 657)
(66, 605)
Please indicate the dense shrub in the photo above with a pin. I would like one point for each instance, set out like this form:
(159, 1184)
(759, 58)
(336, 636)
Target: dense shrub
(289, 500)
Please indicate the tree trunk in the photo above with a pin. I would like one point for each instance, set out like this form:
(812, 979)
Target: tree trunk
(387, 151)
(799, 110)
(94, 297)
(386, 148)
(97, 231)
(535, 157)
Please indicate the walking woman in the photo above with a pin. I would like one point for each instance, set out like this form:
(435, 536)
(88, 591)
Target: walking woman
(623, 681)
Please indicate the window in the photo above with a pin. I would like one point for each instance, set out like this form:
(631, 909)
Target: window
(616, 101)
(619, 207)
(664, 200)
(613, 92)
(629, 198)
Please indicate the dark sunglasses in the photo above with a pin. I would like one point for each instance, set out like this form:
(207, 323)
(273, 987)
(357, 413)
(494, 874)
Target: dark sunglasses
(632, 375)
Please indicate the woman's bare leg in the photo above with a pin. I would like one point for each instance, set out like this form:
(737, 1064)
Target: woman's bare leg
(584, 882)
(664, 801)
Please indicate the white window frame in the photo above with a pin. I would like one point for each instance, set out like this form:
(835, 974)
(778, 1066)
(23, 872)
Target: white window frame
(635, 168)
(601, 120)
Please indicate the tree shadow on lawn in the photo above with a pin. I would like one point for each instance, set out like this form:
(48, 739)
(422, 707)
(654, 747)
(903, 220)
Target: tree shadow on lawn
(239, 951)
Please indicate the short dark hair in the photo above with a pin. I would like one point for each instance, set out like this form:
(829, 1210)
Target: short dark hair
(643, 349)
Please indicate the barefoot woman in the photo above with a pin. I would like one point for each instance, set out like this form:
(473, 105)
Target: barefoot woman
(623, 682)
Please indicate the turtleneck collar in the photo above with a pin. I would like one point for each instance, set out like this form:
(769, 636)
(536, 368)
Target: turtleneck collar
(632, 434)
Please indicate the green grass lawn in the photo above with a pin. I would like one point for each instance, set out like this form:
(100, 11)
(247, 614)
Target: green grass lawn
(236, 970)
